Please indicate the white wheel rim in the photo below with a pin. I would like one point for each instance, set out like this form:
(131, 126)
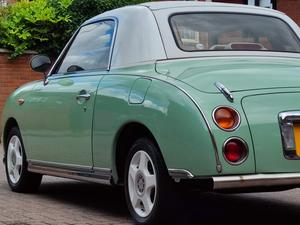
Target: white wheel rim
(142, 184)
(14, 159)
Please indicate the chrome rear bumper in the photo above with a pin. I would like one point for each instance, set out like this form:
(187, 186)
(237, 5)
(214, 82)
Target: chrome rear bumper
(239, 181)
(256, 180)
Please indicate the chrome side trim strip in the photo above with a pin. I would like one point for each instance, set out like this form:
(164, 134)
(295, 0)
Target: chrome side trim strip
(213, 140)
(59, 165)
(104, 172)
(178, 174)
(256, 180)
(82, 173)
(221, 87)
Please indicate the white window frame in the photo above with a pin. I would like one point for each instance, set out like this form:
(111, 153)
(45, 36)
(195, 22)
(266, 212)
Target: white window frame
(3, 3)
(262, 3)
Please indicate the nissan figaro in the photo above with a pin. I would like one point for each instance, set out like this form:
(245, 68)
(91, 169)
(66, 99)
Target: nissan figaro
(160, 94)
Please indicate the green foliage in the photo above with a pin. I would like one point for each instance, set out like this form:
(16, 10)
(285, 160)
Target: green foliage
(35, 25)
(46, 25)
(3, 14)
(90, 8)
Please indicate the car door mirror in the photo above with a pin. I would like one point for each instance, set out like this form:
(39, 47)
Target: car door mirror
(40, 63)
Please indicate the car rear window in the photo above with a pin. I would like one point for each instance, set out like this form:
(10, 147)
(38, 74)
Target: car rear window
(232, 32)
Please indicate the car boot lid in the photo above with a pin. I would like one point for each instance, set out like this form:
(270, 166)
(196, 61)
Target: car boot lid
(235, 73)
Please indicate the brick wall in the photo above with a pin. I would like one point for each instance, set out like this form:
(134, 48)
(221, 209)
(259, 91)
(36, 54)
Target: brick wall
(291, 8)
(14, 73)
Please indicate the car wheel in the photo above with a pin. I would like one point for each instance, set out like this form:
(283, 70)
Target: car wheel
(18, 177)
(147, 184)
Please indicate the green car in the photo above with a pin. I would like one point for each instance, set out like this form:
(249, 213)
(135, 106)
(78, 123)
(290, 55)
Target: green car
(160, 95)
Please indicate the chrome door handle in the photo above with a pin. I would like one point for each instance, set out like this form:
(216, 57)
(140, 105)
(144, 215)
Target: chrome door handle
(85, 96)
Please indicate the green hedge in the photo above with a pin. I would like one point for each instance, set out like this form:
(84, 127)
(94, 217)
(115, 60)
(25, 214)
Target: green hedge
(46, 25)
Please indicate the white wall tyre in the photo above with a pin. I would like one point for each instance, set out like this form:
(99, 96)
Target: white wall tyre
(18, 177)
(148, 186)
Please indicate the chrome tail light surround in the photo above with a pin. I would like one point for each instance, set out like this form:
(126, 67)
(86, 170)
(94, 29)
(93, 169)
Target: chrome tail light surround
(286, 123)
(242, 144)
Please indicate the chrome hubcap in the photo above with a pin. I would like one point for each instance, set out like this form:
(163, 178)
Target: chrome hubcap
(14, 159)
(142, 183)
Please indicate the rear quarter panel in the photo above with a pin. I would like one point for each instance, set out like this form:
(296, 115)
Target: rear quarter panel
(166, 111)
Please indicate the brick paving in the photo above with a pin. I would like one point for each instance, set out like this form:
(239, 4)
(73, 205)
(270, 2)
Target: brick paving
(62, 202)
(66, 202)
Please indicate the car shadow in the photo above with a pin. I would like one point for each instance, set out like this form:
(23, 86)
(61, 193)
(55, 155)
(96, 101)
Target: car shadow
(238, 209)
(92, 197)
(195, 209)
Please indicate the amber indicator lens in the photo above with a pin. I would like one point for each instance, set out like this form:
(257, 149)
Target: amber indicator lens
(235, 151)
(226, 118)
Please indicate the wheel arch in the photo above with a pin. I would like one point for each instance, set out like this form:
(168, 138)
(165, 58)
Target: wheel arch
(10, 123)
(126, 136)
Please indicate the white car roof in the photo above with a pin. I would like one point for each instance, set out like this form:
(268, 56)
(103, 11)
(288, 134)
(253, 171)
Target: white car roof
(144, 34)
(179, 4)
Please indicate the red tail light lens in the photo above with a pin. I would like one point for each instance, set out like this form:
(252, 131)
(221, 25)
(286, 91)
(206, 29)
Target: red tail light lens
(235, 150)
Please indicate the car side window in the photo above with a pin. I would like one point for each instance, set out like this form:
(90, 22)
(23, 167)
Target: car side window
(90, 49)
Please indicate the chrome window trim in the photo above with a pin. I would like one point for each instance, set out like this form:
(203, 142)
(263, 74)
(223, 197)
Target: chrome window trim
(245, 157)
(112, 42)
(69, 43)
(225, 106)
(77, 172)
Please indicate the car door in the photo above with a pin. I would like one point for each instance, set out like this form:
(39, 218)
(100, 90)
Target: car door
(59, 129)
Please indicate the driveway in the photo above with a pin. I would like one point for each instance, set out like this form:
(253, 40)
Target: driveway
(62, 202)
(65, 202)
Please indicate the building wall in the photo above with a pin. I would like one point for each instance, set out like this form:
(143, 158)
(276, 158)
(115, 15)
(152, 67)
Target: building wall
(289, 7)
(6, 2)
(14, 73)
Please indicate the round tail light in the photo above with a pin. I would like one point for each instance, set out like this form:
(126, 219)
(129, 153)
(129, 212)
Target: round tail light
(235, 151)
(226, 118)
